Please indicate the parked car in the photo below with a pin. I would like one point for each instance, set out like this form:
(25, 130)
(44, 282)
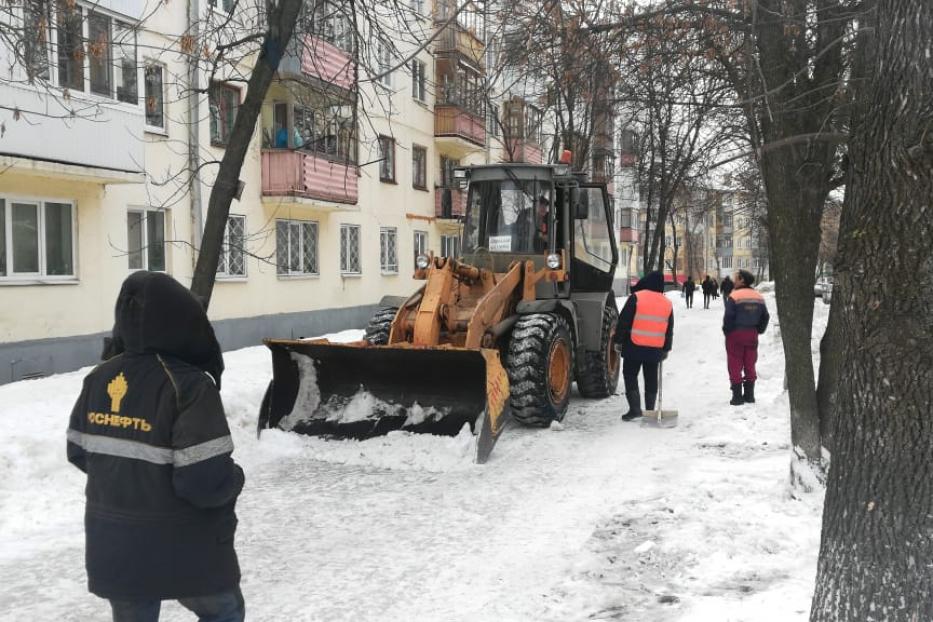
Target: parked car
(827, 292)
(822, 284)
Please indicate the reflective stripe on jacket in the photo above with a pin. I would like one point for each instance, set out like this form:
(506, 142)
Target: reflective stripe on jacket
(652, 314)
(745, 308)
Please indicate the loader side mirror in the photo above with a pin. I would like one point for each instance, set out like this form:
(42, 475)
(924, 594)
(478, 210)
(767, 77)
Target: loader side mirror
(447, 204)
(580, 209)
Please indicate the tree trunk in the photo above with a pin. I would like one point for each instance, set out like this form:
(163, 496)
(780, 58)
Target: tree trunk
(796, 193)
(877, 544)
(282, 17)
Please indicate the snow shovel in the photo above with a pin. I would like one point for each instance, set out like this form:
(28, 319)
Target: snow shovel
(660, 418)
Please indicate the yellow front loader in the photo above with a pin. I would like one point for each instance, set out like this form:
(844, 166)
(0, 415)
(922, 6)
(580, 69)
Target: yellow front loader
(501, 332)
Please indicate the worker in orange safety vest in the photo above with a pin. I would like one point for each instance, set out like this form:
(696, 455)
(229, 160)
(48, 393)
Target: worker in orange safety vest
(644, 336)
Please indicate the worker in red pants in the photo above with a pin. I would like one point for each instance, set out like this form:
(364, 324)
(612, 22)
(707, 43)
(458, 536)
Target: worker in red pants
(745, 318)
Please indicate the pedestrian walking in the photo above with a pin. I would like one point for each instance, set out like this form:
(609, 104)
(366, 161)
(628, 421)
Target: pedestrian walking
(745, 318)
(715, 289)
(149, 431)
(644, 336)
(688, 289)
(726, 287)
(707, 286)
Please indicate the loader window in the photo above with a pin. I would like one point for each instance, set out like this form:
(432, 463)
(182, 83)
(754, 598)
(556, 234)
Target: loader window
(593, 235)
(508, 216)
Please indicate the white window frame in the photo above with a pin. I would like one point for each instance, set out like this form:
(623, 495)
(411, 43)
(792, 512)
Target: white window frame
(446, 242)
(417, 7)
(345, 268)
(11, 278)
(288, 273)
(225, 251)
(144, 243)
(155, 129)
(419, 244)
(384, 63)
(419, 79)
(387, 252)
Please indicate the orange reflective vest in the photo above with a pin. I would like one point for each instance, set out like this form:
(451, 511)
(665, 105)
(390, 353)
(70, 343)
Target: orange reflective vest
(652, 317)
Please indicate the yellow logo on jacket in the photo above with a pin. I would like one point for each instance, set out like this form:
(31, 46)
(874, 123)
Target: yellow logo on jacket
(117, 389)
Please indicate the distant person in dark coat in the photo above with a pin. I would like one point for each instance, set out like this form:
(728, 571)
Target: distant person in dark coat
(726, 287)
(715, 289)
(689, 287)
(745, 318)
(644, 336)
(707, 286)
(149, 431)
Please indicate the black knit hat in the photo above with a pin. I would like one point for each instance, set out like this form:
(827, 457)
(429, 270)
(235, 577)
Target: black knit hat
(747, 277)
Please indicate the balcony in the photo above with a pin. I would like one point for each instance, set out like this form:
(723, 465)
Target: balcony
(456, 124)
(629, 235)
(316, 58)
(523, 150)
(65, 148)
(308, 175)
(457, 201)
(455, 39)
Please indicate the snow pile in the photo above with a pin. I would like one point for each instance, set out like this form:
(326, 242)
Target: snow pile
(604, 520)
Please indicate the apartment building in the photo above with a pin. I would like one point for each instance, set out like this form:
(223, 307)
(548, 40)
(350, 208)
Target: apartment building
(107, 159)
(741, 241)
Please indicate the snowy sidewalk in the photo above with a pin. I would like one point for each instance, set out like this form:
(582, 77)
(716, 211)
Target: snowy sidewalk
(598, 521)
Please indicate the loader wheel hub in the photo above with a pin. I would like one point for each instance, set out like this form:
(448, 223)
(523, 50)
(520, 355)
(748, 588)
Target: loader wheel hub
(558, 371)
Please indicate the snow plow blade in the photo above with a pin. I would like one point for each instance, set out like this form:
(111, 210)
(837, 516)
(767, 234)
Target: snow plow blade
(356, 390)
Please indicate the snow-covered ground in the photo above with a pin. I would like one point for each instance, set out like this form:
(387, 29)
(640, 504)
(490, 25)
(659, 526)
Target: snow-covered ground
(599, 520)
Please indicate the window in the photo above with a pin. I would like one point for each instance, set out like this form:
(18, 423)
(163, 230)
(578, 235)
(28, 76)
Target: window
(593, 243)
(420, 245)
(224, 103)
(727, 220)
(493, 128)
(232, 256)
(70, 46)
(100, 64)
(417, 6)
(35, 39)
(36, 238)
(155, 97)
(388, 250)
(447, 172)
(417, 80)
(145, 240)
(419, 167)
(384, 63)
(450, 246)
(124, 52)
(296, 247)
(350, 249)
(330, 21)
(727, 262)
(226, 5)
(387, 159)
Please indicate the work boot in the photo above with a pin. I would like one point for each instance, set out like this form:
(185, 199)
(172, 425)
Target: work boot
(737, 399)
(634, 406)
(650, 399)
(749, 396)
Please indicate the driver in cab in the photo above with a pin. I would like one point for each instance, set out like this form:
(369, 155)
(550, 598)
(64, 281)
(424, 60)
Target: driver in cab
(542, 208)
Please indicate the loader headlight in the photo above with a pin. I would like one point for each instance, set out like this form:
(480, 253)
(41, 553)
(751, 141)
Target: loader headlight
(422, 261)
(553, 261)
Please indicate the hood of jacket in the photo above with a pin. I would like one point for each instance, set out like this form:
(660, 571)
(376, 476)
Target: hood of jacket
(653, 281)
(155, 314)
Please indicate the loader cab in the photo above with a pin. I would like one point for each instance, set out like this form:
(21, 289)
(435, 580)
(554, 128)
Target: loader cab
(527, 212)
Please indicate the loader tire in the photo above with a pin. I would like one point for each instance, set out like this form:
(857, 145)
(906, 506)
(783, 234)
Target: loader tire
(598, 373)
(377, 332)
(540, 368)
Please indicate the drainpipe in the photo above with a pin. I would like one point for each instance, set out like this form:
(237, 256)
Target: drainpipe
(194, 136)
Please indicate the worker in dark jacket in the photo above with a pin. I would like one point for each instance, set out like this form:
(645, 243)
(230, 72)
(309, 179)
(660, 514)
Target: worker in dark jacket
(644, 336)
(726, 287)
(745, 318)
(150, 432)
(707, 286)
(689, 287)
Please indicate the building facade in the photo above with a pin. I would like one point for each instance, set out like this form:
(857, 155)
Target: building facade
(109, 149)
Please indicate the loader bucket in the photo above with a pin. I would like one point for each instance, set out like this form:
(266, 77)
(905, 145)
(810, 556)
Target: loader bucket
(357, 390)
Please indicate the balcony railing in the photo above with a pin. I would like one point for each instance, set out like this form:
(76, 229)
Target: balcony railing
(450, 120)
(457, 202)
(627, 234)
(308, 175)
(455, 38)
(523, 150)
(316, 58)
